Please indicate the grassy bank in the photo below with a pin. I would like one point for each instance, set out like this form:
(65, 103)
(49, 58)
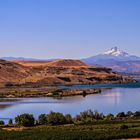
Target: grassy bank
(74, 132)
(88, 125)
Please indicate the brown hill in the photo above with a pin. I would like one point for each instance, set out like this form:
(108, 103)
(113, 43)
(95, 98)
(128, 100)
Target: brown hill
(66, 63)
(31, 63)
(12, 72)
(70, 75)
(58, 72)
(54, 63)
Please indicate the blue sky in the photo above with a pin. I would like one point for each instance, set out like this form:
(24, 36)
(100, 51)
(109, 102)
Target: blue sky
(68, 28)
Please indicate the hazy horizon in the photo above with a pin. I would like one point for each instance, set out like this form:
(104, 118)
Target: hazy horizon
(60, 57)
(46, 29)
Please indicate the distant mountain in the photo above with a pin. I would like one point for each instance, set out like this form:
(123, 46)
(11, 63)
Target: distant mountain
(116, 59)
(24, 59)
(116, 52)
(18, 58)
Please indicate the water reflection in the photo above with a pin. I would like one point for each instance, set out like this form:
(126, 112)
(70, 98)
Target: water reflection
(109, 101)
(113, 96)
(4, 106)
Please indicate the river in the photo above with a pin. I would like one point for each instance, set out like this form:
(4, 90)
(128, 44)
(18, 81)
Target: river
(114, 98)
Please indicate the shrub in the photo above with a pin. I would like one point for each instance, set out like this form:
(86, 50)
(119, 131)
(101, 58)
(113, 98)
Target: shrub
(109, 117)
(69, 119)
(2, 123)
(121, 115)
(89, 116)
(42, 119)
(129, 114)
(98, 116)
(25, 120)
(123, 127)
(10, 122)
(55, 118)
(137, 114)
(77, 118)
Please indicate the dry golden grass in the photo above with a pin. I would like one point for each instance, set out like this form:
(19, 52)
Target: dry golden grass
(32, 63)
(13, 128)
(134, 139)
(57, 72)
(54, 63)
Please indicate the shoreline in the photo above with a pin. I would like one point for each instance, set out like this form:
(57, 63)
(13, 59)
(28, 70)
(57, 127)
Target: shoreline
(50, 91)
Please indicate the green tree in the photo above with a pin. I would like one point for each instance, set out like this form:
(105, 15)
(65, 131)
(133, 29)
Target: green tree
(25, 120)
(124, 127)
(98, 116)
(137, 114)
(55, 118)
(42, 119)
(109, 117)
(2, 123)
(10, 122)
(129, 114)
(121, 115)
(69, 119)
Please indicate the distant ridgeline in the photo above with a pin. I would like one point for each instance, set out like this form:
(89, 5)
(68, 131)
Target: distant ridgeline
(116, 59)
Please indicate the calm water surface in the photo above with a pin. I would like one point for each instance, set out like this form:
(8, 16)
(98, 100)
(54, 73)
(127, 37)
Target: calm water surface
(113, 99)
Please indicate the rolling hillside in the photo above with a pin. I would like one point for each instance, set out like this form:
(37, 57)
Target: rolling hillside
(12, 72)
(57, 72)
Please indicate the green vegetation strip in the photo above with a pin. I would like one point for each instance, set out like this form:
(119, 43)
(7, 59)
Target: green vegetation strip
(82, 132)
(88, 125)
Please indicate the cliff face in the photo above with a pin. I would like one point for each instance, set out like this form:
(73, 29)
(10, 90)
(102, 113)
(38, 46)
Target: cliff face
(58, 72)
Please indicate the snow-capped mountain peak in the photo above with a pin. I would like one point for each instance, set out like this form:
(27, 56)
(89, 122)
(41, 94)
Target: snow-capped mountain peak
(116, 59)
(116, 52)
